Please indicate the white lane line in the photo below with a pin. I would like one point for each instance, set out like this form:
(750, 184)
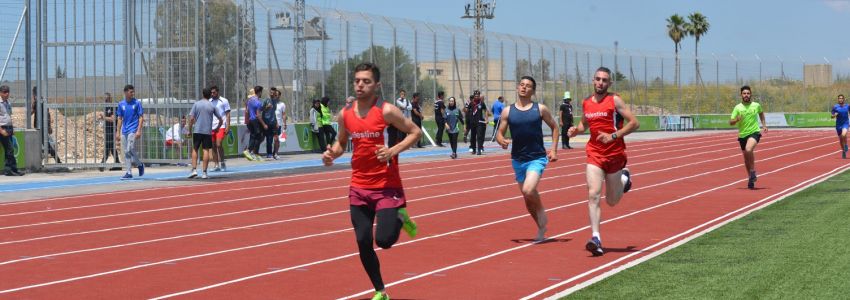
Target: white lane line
(741, 212)
(339, 212)
(336, 198)
(255, 197)
(471, 161)
(421, 275)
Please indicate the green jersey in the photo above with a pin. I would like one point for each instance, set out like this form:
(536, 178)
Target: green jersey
(749, 123)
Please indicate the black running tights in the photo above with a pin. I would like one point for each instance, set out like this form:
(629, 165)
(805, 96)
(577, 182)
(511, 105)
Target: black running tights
(386, 234)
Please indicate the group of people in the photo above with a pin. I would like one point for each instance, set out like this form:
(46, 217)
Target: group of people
(266, 121)
(321, 123)
(376, 190)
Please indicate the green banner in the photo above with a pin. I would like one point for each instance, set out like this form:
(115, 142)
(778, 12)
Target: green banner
(712, 122)
(231, 143)
(816, 119)
(647, 123)
(18, 143)
(306, 139)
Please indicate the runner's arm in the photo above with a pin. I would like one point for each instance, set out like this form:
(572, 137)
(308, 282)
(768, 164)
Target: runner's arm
(547, 117)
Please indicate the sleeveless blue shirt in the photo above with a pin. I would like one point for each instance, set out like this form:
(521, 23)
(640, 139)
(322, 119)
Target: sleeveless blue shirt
(527, 133)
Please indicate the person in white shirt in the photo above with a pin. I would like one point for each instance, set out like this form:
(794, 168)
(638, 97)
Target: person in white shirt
(174, 135)
(393, 135)
(223, 107)
(280, 115)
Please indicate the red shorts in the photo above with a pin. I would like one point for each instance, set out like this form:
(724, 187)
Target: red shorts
(609, 164)
(169, 143)
(218, 135)
(377, 199)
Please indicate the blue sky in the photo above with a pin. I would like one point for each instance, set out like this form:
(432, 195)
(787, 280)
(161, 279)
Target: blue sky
(790, 29)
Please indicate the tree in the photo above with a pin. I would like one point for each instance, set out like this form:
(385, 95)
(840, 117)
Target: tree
(540, 70)
(173, 71)
(335, 85)
(697, 27)
(676, 32)
(619, 77)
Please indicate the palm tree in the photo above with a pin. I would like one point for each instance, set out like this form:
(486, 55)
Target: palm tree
(697, 27)
(676, 32)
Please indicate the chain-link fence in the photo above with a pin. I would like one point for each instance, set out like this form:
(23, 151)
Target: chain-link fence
(173, 48)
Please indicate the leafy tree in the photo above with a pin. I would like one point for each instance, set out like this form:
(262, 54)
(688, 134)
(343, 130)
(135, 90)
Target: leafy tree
(335, 85)
(676, 32)
(697, 27)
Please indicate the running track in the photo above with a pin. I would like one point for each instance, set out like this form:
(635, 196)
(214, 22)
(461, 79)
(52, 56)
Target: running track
(290, 237)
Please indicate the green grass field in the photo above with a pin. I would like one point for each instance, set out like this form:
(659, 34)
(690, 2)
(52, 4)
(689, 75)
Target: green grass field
(798, 248)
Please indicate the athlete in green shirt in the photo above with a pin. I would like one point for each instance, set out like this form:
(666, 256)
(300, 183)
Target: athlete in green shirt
(749, 133)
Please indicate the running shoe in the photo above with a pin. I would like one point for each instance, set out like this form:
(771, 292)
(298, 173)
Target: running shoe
(217, 169)
(408, 225)
(751, 183)
(141, 170)
(627, 184)
(248, 155)
(127, 176)
(844, 154)
(594, 245)
(193, 174)
(471, 151)
(204, 175)
(381, 296)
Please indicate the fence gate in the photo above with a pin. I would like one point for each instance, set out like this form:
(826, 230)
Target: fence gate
(89, 50)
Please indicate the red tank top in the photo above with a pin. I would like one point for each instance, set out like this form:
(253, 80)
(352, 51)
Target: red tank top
(367, 136)
(603, 117)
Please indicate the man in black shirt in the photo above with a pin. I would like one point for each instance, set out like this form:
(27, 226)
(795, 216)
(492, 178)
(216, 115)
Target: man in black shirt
(440, 117)
(38, 105)
(478, 124)
(416, 116)
(108, 117)
(566, 116)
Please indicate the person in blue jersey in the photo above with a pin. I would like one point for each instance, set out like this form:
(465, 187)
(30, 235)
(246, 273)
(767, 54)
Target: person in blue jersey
(497, 108)
(529, 156)
(130, 121)
(839, 113)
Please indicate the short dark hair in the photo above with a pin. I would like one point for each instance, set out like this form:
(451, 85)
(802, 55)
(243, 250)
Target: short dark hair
(604, 69)
(214, 87)
(129, 87)
(258, 90)
(367, 66)
(326, 100)
(746, 87)
(840, 95)
(4, 88)
(533, 82)
(441, 94)
(416, 95)
(207, 92)
(402, 91)
(108, 94)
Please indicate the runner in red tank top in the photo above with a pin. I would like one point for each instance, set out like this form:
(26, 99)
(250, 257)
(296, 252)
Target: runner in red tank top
(604, 114)
(376, 190)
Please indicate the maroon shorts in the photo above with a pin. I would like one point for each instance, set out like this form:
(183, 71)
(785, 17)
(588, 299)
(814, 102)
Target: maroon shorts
(377, 199)
(609, 164)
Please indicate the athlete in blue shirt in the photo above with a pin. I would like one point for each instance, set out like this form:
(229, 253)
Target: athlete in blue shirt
(130, 121)
(498, 106)
(839, 113)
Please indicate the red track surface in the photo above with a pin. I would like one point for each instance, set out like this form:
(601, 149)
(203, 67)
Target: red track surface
(290, 237)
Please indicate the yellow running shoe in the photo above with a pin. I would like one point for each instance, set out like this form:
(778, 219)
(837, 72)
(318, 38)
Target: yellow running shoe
(407, 224)
(381, 296)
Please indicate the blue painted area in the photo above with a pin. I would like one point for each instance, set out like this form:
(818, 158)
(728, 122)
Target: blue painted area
(258, 167)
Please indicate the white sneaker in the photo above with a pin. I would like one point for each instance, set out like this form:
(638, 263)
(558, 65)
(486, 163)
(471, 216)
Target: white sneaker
(217, 169)
(193, 174)
(204, 175)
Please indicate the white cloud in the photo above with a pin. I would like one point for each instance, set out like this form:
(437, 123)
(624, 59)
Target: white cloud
(838, 5)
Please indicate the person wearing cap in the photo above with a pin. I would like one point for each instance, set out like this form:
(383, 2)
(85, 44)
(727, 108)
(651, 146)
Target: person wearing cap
(565, 114)
(497, 108)
(7, 132)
